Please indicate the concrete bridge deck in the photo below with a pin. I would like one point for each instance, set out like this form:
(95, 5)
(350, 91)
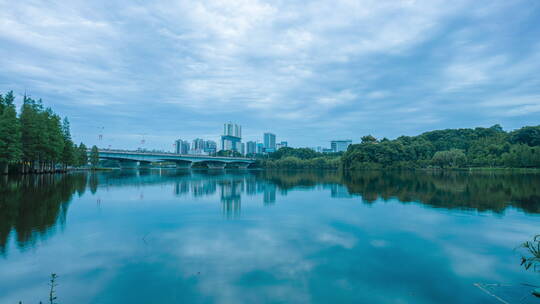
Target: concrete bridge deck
(136, 159)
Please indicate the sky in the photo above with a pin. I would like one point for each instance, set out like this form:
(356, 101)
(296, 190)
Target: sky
(308, 71)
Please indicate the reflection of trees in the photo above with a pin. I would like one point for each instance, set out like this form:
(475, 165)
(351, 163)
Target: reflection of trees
(291, 179)
(30, 205)
(494, 191)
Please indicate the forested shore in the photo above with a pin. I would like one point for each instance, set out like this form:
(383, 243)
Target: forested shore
(441, 149)
(36, 140)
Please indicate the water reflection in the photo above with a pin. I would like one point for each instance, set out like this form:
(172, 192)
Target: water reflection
(32, 206)
(482, 191)
(243, 237)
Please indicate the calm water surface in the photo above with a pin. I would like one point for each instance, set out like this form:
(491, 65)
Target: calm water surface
(169, 236)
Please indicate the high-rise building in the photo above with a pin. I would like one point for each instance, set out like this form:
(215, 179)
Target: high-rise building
(231, 129)
(340, 145)
(269, 142)
(182, 146)
(242, 148)
(260, 148)
(232, 137)
(251, 147)
(210, 146)
(198, 144)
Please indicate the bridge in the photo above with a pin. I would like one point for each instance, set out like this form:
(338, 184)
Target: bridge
(138, 159)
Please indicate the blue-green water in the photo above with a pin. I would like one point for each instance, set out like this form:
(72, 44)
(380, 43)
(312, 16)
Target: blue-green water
(168, 236)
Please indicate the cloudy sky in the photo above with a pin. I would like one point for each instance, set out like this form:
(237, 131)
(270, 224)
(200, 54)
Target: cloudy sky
(309, 72)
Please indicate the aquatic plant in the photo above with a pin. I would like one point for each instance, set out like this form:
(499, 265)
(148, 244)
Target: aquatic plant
(52, 291)
(532, 259)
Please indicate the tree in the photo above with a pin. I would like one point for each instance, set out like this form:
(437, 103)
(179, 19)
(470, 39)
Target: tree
(94, 157)
(82, 155)
(10, 133)
(451, 158)
(526, 135)
(368, 139)
(68, 153)
(228, 153)
(31, 133)
(54, 143)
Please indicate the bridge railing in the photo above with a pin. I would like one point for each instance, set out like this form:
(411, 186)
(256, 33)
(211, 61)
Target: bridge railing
(143, 152)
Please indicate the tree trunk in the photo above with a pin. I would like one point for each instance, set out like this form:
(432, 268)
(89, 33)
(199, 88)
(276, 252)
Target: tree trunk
(4, 168)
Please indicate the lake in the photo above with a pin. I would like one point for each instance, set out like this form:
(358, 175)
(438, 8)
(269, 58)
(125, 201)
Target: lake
(245, 236)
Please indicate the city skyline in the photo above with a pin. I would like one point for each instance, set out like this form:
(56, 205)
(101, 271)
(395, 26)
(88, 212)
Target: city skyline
(385, 69)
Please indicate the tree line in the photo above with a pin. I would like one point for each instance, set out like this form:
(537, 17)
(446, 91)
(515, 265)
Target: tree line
(37, 140)
(450, 148)
(300, 158)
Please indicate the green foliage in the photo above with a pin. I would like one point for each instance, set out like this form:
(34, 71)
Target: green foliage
(53, 145)
(532, 256)
(451, 158)
(292, 162)
(369, 139)
(37, 137)
(82, 155)
(480, 147)
(526, 135)
(301, 153)
(10, 132)
(301, 158)
(228, 153)
(68, 153)
(522, 156)
(94, 157)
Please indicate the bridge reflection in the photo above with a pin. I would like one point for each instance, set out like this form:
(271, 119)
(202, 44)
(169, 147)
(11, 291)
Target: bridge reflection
(32, 207)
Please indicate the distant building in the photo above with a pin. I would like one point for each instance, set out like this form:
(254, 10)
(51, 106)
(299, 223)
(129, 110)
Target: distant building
(242, 148)
(327, 150)
(232, 137)
(181, 146)
(340, 145)
(210, 147)
(251, 147)
(198, 144)
(269, 141)
(280, 145)
(230, 129)
(260, 148)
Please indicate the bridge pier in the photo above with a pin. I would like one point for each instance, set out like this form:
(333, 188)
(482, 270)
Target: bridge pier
(183, 164)
(215, 165)
(128, 164)
(145, 165)
(239, 165)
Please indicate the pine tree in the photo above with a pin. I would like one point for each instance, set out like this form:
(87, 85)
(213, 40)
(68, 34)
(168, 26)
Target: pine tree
(82, 155)
(30, 133)
(54, 140)
(10, 133)
(2, 106)
(94, 157)
(68, 153)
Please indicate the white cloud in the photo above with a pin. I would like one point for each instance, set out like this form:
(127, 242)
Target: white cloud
(472, 72)
(265, 61)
